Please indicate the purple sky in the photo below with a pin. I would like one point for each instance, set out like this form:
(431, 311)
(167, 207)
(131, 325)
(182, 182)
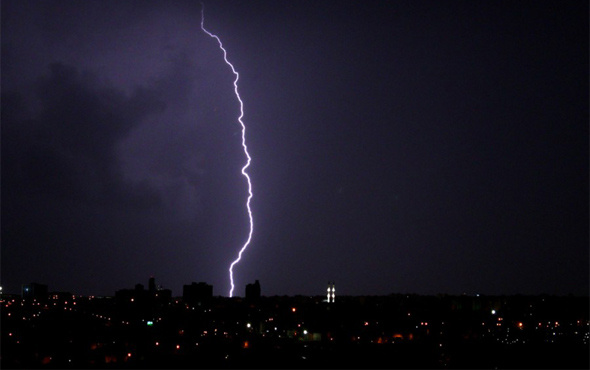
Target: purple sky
(397, 147)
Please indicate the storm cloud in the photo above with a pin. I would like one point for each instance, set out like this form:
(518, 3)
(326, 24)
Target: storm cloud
(110, 166)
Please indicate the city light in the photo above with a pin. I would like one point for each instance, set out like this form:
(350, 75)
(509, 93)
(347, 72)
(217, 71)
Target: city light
(277, 321)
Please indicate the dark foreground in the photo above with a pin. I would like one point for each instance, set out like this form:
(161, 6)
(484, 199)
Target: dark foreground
(396, 331)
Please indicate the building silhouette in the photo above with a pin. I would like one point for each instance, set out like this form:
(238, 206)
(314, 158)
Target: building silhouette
(152, 285)
(253, 291)
(34, 291)
(157, 293)
(139, 296)
(197, 293)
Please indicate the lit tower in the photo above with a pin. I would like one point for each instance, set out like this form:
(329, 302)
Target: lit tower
(331, 295)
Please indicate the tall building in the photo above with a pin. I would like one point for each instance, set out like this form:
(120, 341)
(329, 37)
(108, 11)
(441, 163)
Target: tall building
(331, 295)
(152, 285)
(253, 290)
(158, 293)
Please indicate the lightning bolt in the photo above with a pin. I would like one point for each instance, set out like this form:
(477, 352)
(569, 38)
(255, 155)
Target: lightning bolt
(231, 277)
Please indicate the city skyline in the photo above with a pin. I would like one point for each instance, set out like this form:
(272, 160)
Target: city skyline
(423, 147)
(147, 328)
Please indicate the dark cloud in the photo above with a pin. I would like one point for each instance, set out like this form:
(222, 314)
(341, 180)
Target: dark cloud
(67, 149)
(120, 149)
(97, 179)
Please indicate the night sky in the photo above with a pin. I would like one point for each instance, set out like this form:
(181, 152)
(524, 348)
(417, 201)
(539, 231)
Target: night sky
(397, 146)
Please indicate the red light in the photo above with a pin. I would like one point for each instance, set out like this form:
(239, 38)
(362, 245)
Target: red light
(178, 346)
